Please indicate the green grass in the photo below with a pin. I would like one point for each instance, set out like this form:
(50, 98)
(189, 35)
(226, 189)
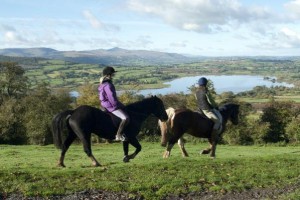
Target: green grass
(294, 98)
(32, 171)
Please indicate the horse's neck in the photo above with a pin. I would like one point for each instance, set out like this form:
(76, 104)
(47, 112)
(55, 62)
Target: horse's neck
(225, 115)
(139, 109)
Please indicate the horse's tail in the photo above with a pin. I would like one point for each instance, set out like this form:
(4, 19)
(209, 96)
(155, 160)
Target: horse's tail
(58, 123)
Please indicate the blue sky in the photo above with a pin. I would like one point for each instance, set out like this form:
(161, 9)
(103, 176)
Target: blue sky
(195, 27)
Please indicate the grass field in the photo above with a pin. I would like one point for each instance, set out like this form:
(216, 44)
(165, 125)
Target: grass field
(32, 171)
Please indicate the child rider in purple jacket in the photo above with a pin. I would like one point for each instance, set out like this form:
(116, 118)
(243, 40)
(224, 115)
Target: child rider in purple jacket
(109, 101)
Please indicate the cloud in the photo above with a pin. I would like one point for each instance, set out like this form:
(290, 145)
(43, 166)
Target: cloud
(4, 27)
(281, 40)
(202, 15)
(97, 24)
(181, 44)
(29, 39)
(289, 37)
(13, 38)
(293, 8)
(141, 42)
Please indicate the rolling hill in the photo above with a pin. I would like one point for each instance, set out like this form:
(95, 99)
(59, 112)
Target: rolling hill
(114, 56)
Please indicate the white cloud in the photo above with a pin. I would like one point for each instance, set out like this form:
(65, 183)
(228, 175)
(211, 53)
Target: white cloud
(97, 24)
(293, 8)
(13, 38)
(289, 37)
(285, 39)
(202, 15)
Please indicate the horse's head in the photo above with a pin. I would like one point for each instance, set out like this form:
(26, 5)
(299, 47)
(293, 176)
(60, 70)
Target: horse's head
(159, 108)
(230, 112)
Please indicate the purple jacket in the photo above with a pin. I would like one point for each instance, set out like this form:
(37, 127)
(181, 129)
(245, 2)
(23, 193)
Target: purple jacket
(108, 97)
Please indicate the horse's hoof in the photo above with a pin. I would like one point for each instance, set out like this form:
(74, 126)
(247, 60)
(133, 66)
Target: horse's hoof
(204, 152)
(96, 165)
(126, 159)
(61, 165)
(166, 154)
(213, 157)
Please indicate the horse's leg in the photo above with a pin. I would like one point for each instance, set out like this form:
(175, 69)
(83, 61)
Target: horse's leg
(208, 150)
(70, 138)
(181, 146)
(86, 140)
(134, 142)
(125, 150)
(214, 140)
(163, 131)
(170, 145)
(88, 151)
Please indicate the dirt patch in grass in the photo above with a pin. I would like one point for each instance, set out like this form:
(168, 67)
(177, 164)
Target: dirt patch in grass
(261, 193)
(258, 193)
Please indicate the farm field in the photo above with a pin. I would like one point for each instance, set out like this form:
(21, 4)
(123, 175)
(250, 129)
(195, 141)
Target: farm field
(31, 171)
(70, 75)
(294, 98)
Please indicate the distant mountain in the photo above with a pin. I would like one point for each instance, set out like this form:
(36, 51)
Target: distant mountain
(114, 56)
(27, 52)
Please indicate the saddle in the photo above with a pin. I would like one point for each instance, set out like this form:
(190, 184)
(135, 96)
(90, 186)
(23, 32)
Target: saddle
(116, 120)
(217, 113)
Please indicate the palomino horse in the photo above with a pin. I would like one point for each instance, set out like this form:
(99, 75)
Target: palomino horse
(85, 120)
(194, 123)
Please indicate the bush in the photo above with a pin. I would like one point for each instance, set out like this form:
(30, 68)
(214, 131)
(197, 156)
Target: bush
(278, 115)
(259, 131)
(237, 135)
(40, 108)
(293, 131)
(11, 126)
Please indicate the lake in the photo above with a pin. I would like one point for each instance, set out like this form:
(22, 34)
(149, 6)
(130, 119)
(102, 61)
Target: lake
(223, 83)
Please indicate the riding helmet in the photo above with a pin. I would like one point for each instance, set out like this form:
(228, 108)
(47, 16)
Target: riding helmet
(202, 81)
(108, 71)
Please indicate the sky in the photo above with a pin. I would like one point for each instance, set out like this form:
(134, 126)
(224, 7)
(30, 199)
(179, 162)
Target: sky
(189, 27)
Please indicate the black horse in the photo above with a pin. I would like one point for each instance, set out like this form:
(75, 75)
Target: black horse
(196, 124)
(85, 120)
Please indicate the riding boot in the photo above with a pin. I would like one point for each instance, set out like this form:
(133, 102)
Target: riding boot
(119, 135)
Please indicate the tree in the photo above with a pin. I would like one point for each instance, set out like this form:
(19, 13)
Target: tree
(88, 95)
(41, 106)
(12, 130)
(278, 115)
(13, 86)
(293, 131)
(175, 100)
(13, 82)
(128, 97)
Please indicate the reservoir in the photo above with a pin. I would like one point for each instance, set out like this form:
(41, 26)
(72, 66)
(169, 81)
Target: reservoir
(224, 83)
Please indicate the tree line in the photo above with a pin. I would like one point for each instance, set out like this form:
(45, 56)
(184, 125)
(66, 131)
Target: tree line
(27, 112)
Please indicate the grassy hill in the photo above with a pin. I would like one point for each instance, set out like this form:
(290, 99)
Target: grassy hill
(238, 170)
